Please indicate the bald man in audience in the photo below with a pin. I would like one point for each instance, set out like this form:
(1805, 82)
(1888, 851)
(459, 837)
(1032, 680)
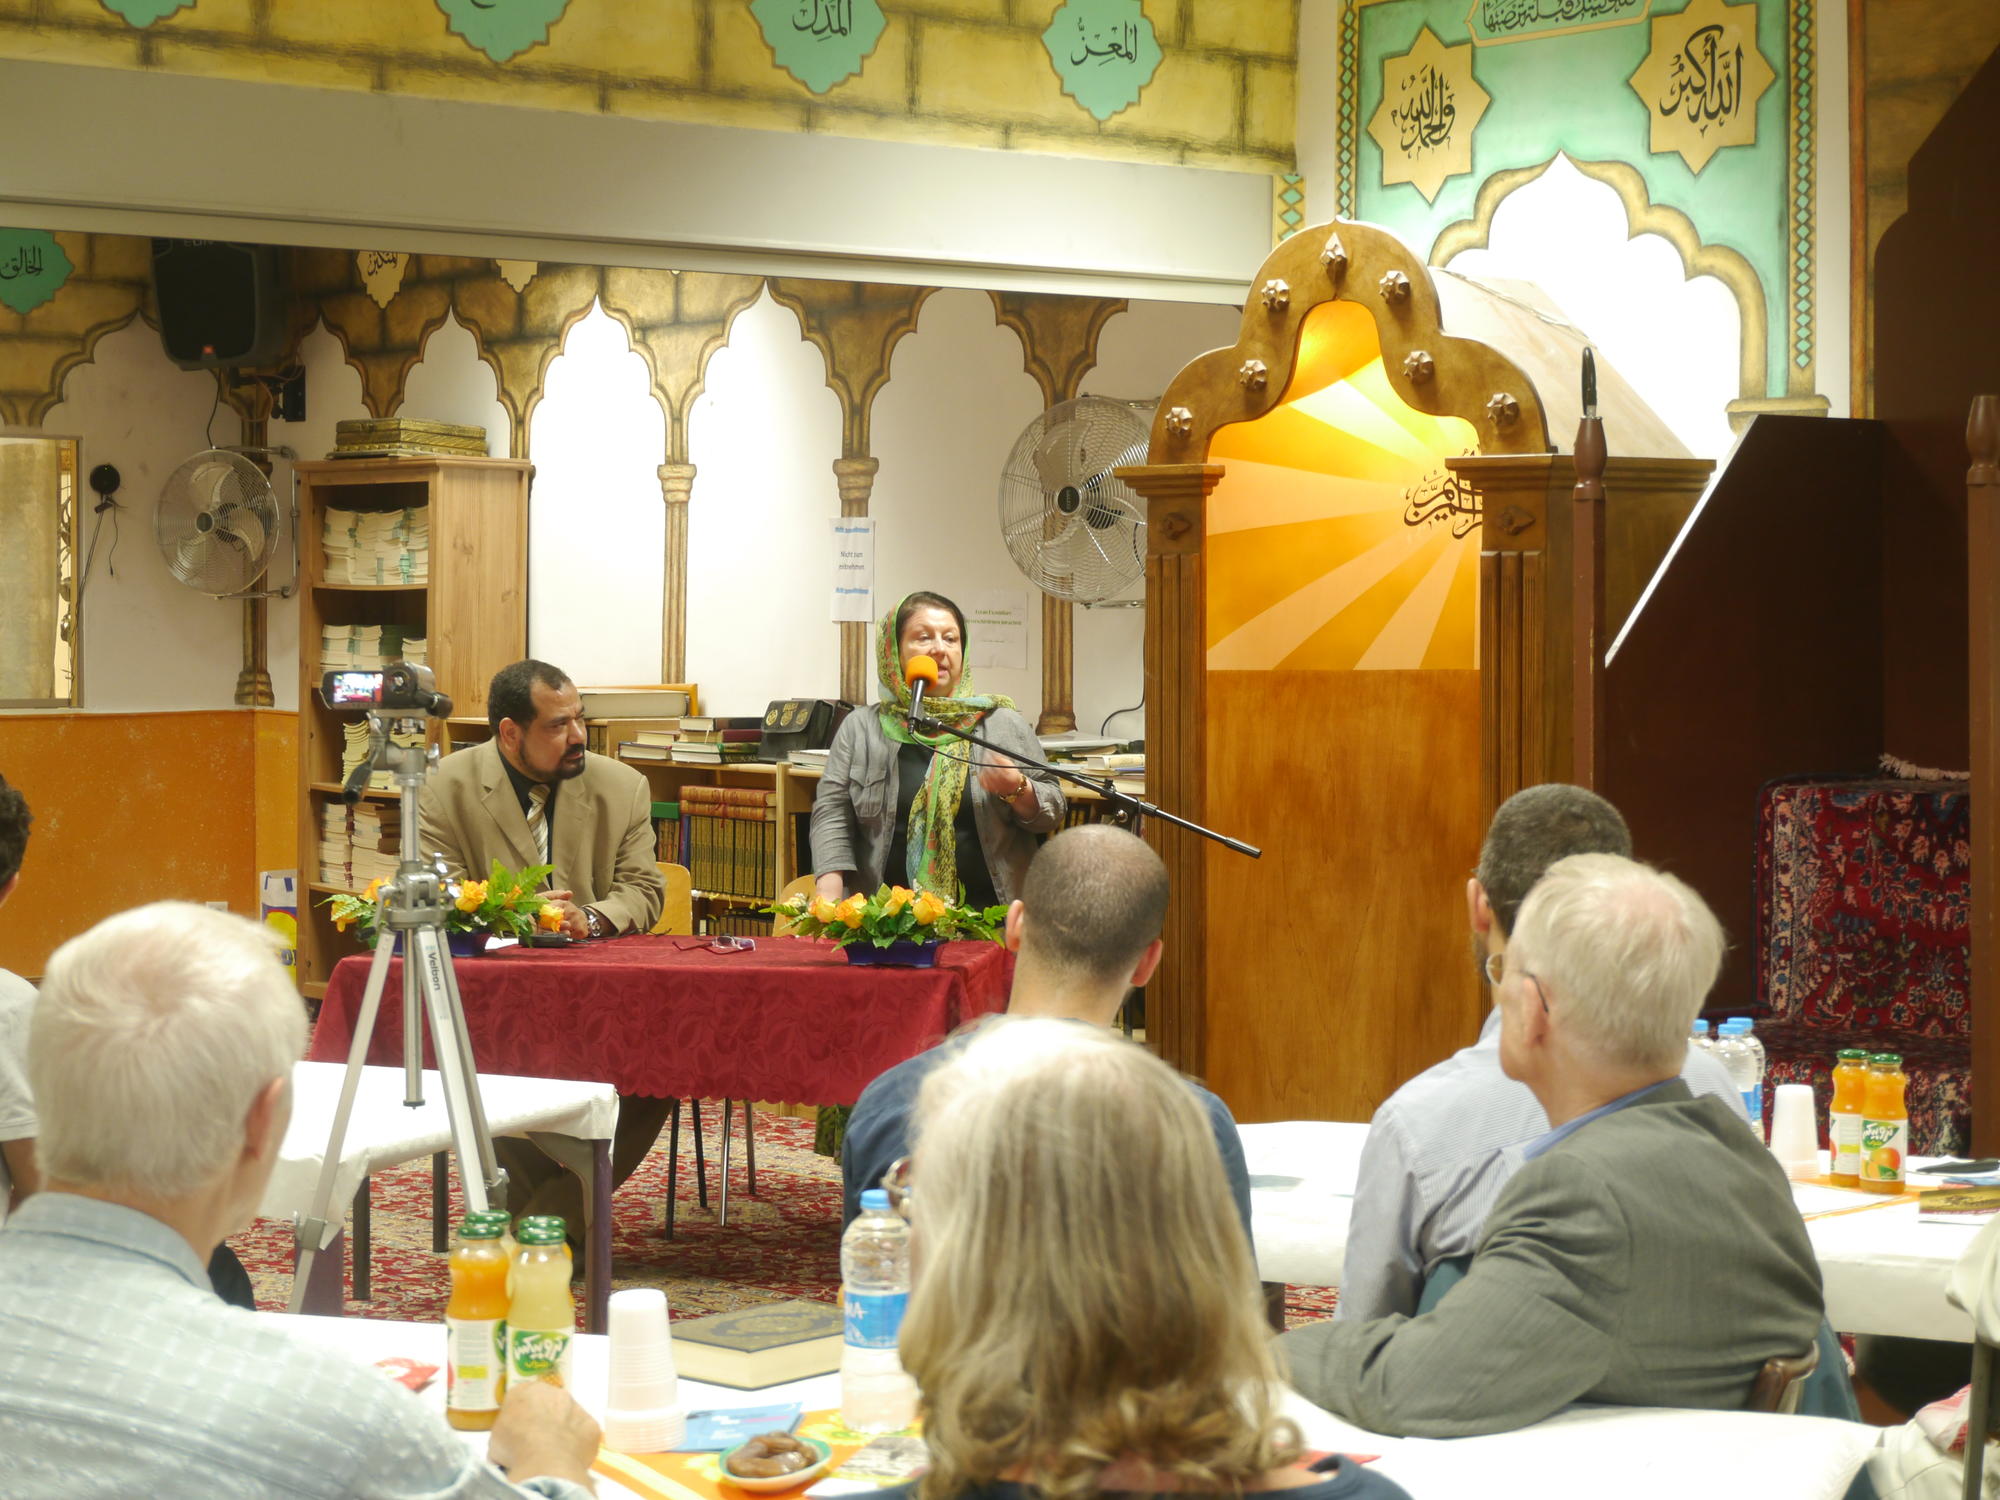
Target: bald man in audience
(161, 1055)
(1647, 1252)
(1441, 1147)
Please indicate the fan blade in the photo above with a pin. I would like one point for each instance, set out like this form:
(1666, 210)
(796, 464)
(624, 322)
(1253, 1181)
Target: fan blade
(241, 525)
(1052, 461)
(190, 559)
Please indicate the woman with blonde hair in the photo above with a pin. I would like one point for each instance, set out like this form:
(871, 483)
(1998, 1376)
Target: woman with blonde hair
(1085, 1319)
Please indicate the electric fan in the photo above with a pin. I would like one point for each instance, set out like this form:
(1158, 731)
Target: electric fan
(217, 523)
(1078, 532)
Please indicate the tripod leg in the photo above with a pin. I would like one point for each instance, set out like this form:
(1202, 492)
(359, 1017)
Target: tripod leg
(311, 1233)
(489, 1163)
(413, 1028)
(468, 1142)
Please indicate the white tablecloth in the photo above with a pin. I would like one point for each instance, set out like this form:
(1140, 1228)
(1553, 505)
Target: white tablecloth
(1884, 1271)
(383, 1131)
(1578, 1455)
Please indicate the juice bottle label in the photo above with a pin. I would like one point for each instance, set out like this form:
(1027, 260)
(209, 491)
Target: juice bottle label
(874, 1319)
(538, 1354)
(475, 1371)
(1846, 1132)
(1884, 1143)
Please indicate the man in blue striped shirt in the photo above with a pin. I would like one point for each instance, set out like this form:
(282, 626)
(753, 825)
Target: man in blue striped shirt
(1442, 1146)
(161, 1054)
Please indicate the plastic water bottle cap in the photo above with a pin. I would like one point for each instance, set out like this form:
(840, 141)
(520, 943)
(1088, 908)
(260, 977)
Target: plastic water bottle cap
(1700, 1029)
(874, 1198)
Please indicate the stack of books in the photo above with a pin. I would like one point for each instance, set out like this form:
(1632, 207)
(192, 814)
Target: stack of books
(405, 437)
(357, 648)
(377, 546)
(375, 835)
(665, 704)
(645, 744)
(810, 760)
(354, 750)
(729, 840)
(717, 741)
(335, 847)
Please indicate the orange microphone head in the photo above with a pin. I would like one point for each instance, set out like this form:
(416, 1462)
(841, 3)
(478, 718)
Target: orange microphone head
(921, 669)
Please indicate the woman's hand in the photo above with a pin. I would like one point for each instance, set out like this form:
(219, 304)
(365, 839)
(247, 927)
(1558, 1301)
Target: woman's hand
(832, 886)
(1007, 781)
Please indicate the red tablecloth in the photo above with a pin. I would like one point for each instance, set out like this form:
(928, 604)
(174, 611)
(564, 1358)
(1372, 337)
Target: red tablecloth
(792, 1022)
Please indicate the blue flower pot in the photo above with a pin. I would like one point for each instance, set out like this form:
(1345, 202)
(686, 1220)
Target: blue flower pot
(898, 955)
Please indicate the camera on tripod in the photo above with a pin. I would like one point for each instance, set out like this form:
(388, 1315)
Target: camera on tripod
(399, 687)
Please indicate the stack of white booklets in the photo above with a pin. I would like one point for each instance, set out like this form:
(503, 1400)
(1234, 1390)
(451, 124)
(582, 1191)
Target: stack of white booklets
(376, 841)
(354, 751)
(377, 546)
(335, 848)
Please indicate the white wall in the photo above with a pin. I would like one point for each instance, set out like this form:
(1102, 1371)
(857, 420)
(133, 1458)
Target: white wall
(451, 383)
(596, 523)
(1674, 339)
(148, 642)
(958, 396)
(763, 437)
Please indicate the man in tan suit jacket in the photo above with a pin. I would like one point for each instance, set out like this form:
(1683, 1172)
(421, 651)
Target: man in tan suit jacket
(534, 788)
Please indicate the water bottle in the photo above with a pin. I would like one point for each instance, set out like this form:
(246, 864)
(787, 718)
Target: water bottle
(1749, 1038)
(1730, 1052)
(1699, 1037)
(1743, 1055)
(876, 1395)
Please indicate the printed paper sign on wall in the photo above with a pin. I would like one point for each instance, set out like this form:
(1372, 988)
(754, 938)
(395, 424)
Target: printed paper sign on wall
(820, 42)
(33, 268)
(503, 28)
(1104, 51)
(1430, 107)
(1702, 80)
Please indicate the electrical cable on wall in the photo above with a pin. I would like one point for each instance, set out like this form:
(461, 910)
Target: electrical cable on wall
(1117, 711)
(104, 479)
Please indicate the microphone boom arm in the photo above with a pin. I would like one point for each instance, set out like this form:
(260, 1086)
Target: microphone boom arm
(1137, 806)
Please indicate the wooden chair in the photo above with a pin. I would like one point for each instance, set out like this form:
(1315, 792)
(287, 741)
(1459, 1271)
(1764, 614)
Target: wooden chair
(1778, 1384)
(677, 913)
(802, 886)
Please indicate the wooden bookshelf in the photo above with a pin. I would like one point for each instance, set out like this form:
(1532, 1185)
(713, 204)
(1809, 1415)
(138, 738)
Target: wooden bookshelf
(472, 612)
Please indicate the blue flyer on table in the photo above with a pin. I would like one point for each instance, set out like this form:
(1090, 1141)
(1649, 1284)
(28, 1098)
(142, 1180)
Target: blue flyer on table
(712, 1431)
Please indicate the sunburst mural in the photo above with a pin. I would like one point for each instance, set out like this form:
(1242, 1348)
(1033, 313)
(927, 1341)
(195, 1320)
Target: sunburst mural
(1336, 538)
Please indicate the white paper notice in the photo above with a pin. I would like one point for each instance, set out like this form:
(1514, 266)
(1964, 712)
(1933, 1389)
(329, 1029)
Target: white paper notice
(996, 620)
(853, 568)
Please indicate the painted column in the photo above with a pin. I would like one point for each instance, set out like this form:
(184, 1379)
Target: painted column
(676, 487)
(855, 478)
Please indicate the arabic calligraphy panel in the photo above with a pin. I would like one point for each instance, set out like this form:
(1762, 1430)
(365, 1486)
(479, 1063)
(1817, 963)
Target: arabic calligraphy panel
(503, 28)
(381, 273)
(1702, 80)
(146, 12)
(33, 268)
(1104, 51)
(1430, 107)
(819, 42)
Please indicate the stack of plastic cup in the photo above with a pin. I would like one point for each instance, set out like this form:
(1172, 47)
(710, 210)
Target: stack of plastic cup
(641, 1410)
(1795, 1131)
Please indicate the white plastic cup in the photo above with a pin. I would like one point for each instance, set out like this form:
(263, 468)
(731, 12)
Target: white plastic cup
(1795, 1131)
(641, 1410)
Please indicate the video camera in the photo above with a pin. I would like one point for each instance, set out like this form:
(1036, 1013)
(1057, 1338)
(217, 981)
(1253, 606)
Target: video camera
(399, 687)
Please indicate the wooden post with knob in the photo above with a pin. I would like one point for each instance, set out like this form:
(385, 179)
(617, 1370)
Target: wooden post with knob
(1982, 524)
(1587, 592)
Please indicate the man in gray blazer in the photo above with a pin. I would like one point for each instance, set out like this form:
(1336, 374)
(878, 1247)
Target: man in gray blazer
(1647, 1252)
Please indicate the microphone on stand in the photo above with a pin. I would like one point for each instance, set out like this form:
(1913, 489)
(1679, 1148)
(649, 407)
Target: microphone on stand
(920, 670)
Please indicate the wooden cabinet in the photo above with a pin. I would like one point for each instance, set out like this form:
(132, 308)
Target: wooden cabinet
(471, 608)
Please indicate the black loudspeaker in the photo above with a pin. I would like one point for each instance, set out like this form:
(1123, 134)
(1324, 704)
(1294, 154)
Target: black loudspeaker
(221, 304)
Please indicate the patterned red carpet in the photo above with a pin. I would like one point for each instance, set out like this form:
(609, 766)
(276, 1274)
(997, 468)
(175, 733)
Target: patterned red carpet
(783, 1243)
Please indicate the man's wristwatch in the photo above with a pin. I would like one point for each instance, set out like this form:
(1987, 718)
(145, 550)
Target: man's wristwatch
(599, 927)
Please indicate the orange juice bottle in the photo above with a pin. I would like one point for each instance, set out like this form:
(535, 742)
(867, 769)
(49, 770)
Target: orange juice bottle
(475, 1322)
(1885, 1126)
(1850, 1075)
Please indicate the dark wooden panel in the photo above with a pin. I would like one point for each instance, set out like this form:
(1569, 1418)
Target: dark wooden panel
(1338, 964)
(1759, 655)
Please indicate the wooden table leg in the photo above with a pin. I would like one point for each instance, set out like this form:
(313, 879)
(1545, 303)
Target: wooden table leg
(441, 1201)
(590, 1161)
(326, 1285)
(364, 1242)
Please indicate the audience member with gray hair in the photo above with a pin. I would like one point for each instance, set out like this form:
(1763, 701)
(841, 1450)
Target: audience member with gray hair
(1441, 1148)
(1085, 1320)
(161, 1051)
(1085, 930)
(1647, 1252)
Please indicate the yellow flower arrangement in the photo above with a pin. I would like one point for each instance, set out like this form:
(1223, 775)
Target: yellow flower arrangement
(507, 903)
(894, 914)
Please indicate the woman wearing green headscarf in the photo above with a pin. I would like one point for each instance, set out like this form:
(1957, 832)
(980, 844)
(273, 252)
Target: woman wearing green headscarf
(900, 806)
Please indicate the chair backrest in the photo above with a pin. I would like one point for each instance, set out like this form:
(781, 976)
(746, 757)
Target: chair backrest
(677, 911)
(803, 885)
(1779, 1383)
